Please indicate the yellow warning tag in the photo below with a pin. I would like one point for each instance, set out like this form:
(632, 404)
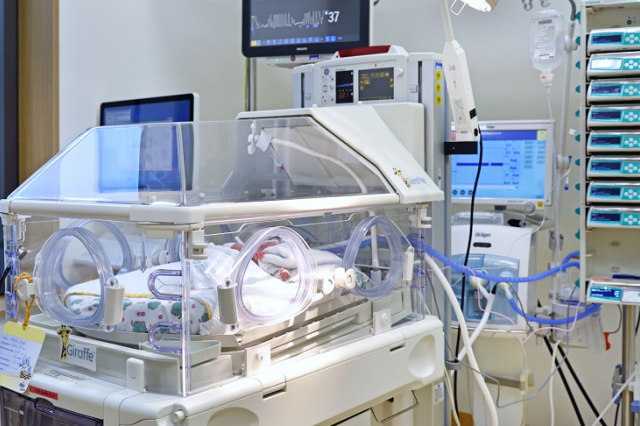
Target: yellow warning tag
(438, 100)
(438, 75)
(438, 87)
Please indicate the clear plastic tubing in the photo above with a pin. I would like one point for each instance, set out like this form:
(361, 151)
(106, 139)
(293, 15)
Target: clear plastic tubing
(397, 254)
(495, 278)
(569, 320)
(306, 272)
(47, 289)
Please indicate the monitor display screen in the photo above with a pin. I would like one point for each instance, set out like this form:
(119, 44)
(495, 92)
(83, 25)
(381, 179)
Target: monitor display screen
(605, 217)
(300, 27)
(606, 115)
(135, 112)
(605, 140)
(606, 165)
(376, 84)
(605, 64)
(609, 191)
(344, 87)
(514, 168)
(159, 162)
(606, 89)
(607, 38)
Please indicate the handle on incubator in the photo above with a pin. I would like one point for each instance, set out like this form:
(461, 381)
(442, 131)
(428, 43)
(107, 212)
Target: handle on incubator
(151, 282)
(155, 344)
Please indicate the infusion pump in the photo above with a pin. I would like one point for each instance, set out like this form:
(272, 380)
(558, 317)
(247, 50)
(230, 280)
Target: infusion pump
(371, 75)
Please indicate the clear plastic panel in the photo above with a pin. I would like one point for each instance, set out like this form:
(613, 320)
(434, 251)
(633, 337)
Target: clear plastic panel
(191, 164)
(74, 258)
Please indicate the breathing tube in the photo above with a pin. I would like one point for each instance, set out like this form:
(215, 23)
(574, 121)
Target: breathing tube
(566, 265)
(569, 320)
(307, 286)
(571, 256)
(397, 254)
(47, 286)
(490, 277)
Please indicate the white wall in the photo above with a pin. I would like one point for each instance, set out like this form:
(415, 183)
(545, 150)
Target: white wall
(121, 49)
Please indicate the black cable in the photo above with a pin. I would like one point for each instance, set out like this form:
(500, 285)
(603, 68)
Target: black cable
(617, 412)
(4, 277)
(573, 9)
(582, 389)
(619, 322)
(515, 293)
(564, 381)
(435, 299)
(637, 324)
(466, 261)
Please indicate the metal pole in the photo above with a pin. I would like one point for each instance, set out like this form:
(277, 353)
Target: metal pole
(252, 83)
(628, 362)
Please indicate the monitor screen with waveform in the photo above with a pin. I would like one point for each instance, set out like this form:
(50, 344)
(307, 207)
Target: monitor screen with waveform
(298, 27)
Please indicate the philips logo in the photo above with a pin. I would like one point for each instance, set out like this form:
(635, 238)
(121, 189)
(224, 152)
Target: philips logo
(81, 355)
(482, 235)
(301, 48)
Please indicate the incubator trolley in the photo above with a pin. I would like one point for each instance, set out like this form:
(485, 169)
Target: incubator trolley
(223, 271)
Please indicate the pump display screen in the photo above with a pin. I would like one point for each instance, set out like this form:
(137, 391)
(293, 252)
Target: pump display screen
(344, 87)
(607, 38)
(514, 166)
(605, 64)
(606, 191)
(376, 84)
(606, 165)
(605, 140)
(605, 217)
(606, 293)
(606, 115)
(608, 89)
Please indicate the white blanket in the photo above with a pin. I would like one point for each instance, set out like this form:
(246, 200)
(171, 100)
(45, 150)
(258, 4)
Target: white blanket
(262, 293)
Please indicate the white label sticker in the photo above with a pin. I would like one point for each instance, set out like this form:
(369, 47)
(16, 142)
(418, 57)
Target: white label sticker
(438, 393)
(79, 354)
(545, 40)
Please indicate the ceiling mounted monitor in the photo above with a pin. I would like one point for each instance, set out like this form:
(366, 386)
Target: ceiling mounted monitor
(304, 27)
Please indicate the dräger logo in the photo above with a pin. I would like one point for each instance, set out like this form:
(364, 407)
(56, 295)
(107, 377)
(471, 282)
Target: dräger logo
(482, 235)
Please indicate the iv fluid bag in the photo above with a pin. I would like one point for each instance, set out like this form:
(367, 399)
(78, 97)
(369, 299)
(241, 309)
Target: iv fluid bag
(547, 40)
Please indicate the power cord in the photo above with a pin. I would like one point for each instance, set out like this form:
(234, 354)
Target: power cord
(466, 261)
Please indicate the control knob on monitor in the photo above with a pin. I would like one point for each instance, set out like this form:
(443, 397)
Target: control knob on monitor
(529, 208)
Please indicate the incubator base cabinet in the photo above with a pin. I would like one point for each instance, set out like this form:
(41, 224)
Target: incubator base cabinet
(263, 271)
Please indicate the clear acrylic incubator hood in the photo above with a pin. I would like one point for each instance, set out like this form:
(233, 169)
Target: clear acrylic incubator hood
(189, 245)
